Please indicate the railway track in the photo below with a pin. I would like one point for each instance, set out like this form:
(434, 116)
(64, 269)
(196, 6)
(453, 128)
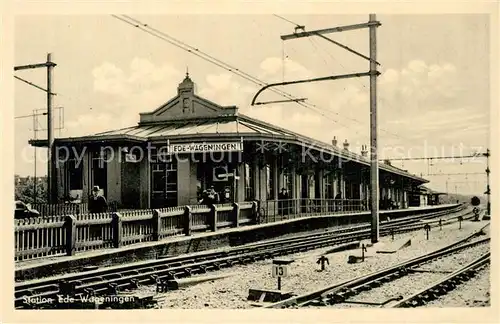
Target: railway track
(341, 292)
(444, 285)
(114, 280)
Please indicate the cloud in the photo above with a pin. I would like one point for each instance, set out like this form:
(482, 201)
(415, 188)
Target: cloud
(420, 109)
(274, 67)
(88, 124)
(224, 89)
(416, 103)
(142, 75)
(109, 79)
(419, 87)
(123, 94)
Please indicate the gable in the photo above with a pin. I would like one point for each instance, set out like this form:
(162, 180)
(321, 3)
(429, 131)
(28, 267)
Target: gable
(186, 105)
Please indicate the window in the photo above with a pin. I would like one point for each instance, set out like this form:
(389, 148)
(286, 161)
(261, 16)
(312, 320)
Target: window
(171, 177)
(158, 174)
(287, 183)
(249, 181)
(329, 186)
(75, 174)
(340, 183)
(270, 182)
(99, 170)
(200, 180)
(311, 182)
(163, 182)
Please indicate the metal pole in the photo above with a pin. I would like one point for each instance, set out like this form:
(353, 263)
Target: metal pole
(488, 211)
(50, 135)
(235, 185)
(373, 132)
(487, 154)
(35, 182)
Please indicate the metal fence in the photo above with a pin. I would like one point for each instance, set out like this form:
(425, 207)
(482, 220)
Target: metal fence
(66, 235)
(276, 210)
(61, 209)
(69, 208)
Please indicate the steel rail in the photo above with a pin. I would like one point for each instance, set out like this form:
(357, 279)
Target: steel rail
(443, 285)
(51, 288)
(134, 279)
(129, 273)
(342, 289)
(179, 260)
(394, 222)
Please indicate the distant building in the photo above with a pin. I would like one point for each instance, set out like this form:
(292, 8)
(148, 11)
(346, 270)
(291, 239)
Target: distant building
(194, 144)
(424, 196)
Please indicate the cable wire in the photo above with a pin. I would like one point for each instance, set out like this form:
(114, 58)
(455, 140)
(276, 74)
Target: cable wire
(136, 23)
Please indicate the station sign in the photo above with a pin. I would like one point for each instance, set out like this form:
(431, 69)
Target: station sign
(205, 147)
(279, 271)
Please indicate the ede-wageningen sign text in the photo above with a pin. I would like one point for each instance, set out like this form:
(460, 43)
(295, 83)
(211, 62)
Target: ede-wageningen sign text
(205, 147)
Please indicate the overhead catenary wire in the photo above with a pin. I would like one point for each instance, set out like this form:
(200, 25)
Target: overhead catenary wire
(366, 90)
(327, 111)
(205, 56)
(288, 20)
(152, 31)
(197, 52)
(456, 174)
(32, 84)
(314, 45)
(363, 86)
(430, 161)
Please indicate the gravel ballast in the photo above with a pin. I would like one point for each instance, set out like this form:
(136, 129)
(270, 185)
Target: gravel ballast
(303, 274)
(414, 282)
(473, 293)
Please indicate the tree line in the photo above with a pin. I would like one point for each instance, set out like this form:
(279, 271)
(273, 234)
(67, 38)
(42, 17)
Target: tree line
(24, 189)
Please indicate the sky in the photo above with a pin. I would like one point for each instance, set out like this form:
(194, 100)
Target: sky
(433, 91)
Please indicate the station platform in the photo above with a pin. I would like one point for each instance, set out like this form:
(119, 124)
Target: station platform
(196, 243)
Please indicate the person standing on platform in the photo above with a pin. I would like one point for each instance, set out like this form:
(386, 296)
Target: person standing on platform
(213, 195)
(226, 196)
(210, 197)
(338, 201)
(97, 202)
(203, 198)
(282, 202)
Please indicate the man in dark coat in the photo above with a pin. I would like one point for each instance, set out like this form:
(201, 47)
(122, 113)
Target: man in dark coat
(97, 203)
(338, 201)
(210, 197)
(282, 202)
(213, 196)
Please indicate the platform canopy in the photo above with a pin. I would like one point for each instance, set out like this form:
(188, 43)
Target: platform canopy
(188, 118)
(423, 190)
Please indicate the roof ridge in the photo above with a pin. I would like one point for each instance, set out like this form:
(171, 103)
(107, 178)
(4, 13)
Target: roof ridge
(347, 154)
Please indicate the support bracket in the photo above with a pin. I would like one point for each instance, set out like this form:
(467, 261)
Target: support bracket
(332, 77)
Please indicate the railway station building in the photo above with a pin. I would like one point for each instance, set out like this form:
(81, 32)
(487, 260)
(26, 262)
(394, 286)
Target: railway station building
(424, 196)
(190, 144)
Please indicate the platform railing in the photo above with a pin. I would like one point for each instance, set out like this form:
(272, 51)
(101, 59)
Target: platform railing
(66, 235)
(277, 210)
(70, 208)
(61, 209)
